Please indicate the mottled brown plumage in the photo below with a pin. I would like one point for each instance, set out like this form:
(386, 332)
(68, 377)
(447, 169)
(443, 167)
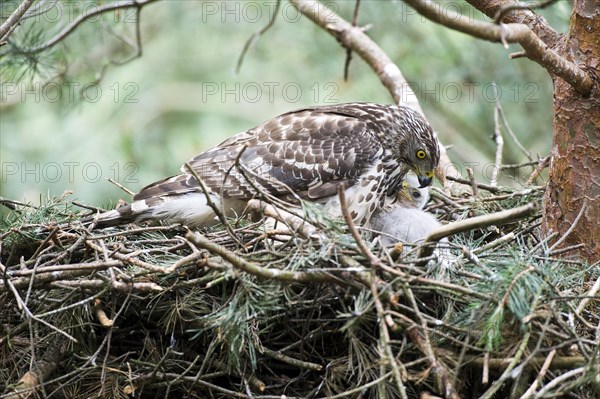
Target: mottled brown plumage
(303, 154)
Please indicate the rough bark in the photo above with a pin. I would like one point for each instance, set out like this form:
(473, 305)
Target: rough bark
(574, 181)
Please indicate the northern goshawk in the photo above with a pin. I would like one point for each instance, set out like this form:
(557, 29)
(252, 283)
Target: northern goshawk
(304, 154)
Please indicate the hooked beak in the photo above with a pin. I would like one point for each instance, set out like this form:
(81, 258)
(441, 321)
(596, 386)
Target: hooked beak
(425, 180)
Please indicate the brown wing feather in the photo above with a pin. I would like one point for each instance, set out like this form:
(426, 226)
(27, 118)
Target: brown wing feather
(309, 151)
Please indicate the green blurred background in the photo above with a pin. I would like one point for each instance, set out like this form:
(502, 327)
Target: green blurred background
(142, 120)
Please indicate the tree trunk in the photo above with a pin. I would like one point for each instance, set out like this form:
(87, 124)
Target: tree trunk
(574, 182)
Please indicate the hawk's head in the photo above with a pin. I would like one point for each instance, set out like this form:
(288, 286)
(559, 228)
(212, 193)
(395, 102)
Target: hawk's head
(416, 144)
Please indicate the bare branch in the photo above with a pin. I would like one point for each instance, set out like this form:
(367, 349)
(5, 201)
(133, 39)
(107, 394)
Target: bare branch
(498, 139)
(83, 17)
(534, 47)
(501, 217)
(8, 26)
(255, 37)
(349, 50)
(474, 188)
(262, 272)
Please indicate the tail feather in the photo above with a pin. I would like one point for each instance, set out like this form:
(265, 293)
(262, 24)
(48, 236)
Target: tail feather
(190, 209)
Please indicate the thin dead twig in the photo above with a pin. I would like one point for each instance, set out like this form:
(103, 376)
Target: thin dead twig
(349, 50)
(444, 382)
(128, 259)
(540, 376)
(571, 228)
(373, 260)
(296, 223)
(497, 138)
(474, 188)
(512, 134)
(122, 187)
(256, 35)
(262, 272)
(542, 164)
(398, 369)
(502, 217)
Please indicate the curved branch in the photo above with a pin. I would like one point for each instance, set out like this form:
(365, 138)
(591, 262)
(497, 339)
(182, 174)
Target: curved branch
(70, 28)
(534, 47)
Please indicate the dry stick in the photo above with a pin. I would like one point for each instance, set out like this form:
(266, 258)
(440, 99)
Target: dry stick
(72, 266)
(520, 165)
(128, 259)
(297, 224)
(566, 249)
(349, 50)
(22, 306)
(571, 228)
(373, 260)
(360, 390)
(473, 182)
(119, 286)
(262, 272)
(497, 242)
(391, 77)
(563, 377)
(134, 231)
(385, 338)
(255, 37)
(483, 186)
(122, 187)
(557, 363)
(542, 164)
(540, 375)
(512, 134)
(507, 372)
(253, 380)
(498, 139)
(42, 279)
(185, 260)
(502, 217)
(209, 200)
(277, 355)
(591, 293)
(43, 244)
(535, 48)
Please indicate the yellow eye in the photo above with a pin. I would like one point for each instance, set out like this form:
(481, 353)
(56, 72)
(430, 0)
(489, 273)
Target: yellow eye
(421, 154)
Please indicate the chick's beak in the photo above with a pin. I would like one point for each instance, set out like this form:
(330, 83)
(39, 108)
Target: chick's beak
(425, 180)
